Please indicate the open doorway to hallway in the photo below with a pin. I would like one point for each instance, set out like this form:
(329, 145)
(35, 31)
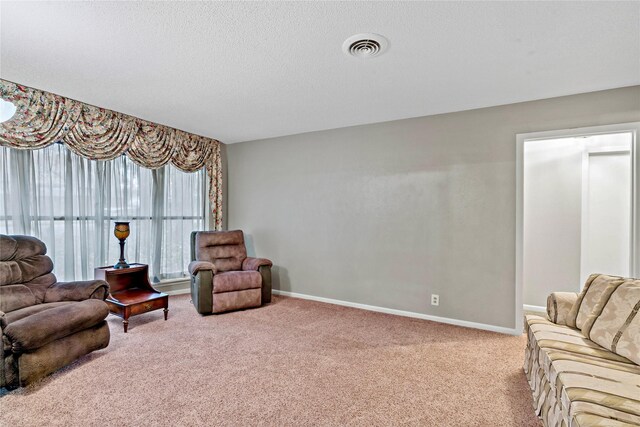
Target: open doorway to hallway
(577, 209)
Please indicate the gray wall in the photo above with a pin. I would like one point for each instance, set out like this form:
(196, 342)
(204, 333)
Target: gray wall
(389, 213)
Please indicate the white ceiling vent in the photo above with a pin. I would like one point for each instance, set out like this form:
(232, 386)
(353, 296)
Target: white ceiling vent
(365, 45)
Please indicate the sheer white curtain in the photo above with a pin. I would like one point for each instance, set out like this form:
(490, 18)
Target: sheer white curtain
(70, 203)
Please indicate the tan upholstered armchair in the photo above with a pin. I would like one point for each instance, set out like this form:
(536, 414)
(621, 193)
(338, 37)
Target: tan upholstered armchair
(223, 278)
(45, 324)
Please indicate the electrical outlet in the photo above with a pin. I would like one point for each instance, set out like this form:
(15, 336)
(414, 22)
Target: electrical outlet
(435, 299)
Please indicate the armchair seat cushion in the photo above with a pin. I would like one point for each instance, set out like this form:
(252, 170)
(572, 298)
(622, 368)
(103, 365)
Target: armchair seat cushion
(229, 281)
(43, 327)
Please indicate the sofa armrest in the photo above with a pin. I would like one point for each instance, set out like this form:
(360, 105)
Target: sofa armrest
(559, 305)
(253, 264)
(77, 291)
(196, 266)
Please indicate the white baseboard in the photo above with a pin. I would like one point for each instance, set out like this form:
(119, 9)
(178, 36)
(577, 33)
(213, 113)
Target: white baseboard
(534, 308)
(174, 287)
(177, 292)
(464, 323)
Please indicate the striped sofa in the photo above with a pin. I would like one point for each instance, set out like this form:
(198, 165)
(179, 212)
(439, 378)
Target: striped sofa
(582, 360)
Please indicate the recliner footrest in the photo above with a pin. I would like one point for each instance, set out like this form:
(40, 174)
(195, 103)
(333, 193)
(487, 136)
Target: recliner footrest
(228, 301)
(46, 326)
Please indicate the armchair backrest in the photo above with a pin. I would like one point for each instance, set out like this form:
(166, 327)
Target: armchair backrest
(25, 272)
(224, 249)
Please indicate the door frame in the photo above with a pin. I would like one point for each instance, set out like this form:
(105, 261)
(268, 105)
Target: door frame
(521, 138)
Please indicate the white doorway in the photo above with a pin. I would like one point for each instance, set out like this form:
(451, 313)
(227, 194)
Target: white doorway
(606, 210)
(576, 209)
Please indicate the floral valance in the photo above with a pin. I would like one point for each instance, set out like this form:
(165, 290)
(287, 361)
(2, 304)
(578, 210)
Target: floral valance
(42, 118)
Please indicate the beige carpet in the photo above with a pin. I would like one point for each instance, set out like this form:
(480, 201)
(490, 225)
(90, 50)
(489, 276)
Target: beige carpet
(292, 363)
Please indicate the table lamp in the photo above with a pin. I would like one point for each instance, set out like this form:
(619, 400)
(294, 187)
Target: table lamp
(121, 231)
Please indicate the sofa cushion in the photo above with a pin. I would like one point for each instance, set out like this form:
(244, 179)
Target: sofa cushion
(24, 269)
(41, 328)
(15, 297)
(629, 342)
(562, 338)
(617, 328)
(595, 285)
(40, 284)
(17, 247)
(236, 281)
(596, 311)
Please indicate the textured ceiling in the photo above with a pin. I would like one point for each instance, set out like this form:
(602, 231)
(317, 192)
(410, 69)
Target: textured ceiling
(242, 71)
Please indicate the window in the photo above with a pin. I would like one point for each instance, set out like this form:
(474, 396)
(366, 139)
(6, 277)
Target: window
(71, 202)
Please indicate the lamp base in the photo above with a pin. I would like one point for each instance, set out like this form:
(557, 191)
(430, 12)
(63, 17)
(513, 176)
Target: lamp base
(121, 264)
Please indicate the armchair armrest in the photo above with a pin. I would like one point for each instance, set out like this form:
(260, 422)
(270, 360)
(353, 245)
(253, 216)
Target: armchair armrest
(202, 273)
(559, 305)
(253, 264)
(195, 266)
(263, 266)
(77, 291)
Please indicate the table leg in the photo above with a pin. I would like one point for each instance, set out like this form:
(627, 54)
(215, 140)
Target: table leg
(166, 312)
(125, 323)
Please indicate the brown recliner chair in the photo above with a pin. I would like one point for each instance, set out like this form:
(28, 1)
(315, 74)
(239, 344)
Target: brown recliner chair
(45, 324)
(223, 278)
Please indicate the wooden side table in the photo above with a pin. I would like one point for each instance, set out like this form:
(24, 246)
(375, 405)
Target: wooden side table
(130, 292)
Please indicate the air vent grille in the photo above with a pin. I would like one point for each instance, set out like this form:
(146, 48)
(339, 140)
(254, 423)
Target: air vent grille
(365, 45)
(364, 48)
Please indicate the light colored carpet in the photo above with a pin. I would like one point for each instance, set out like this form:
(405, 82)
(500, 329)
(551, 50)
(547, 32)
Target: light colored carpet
(291, 363)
